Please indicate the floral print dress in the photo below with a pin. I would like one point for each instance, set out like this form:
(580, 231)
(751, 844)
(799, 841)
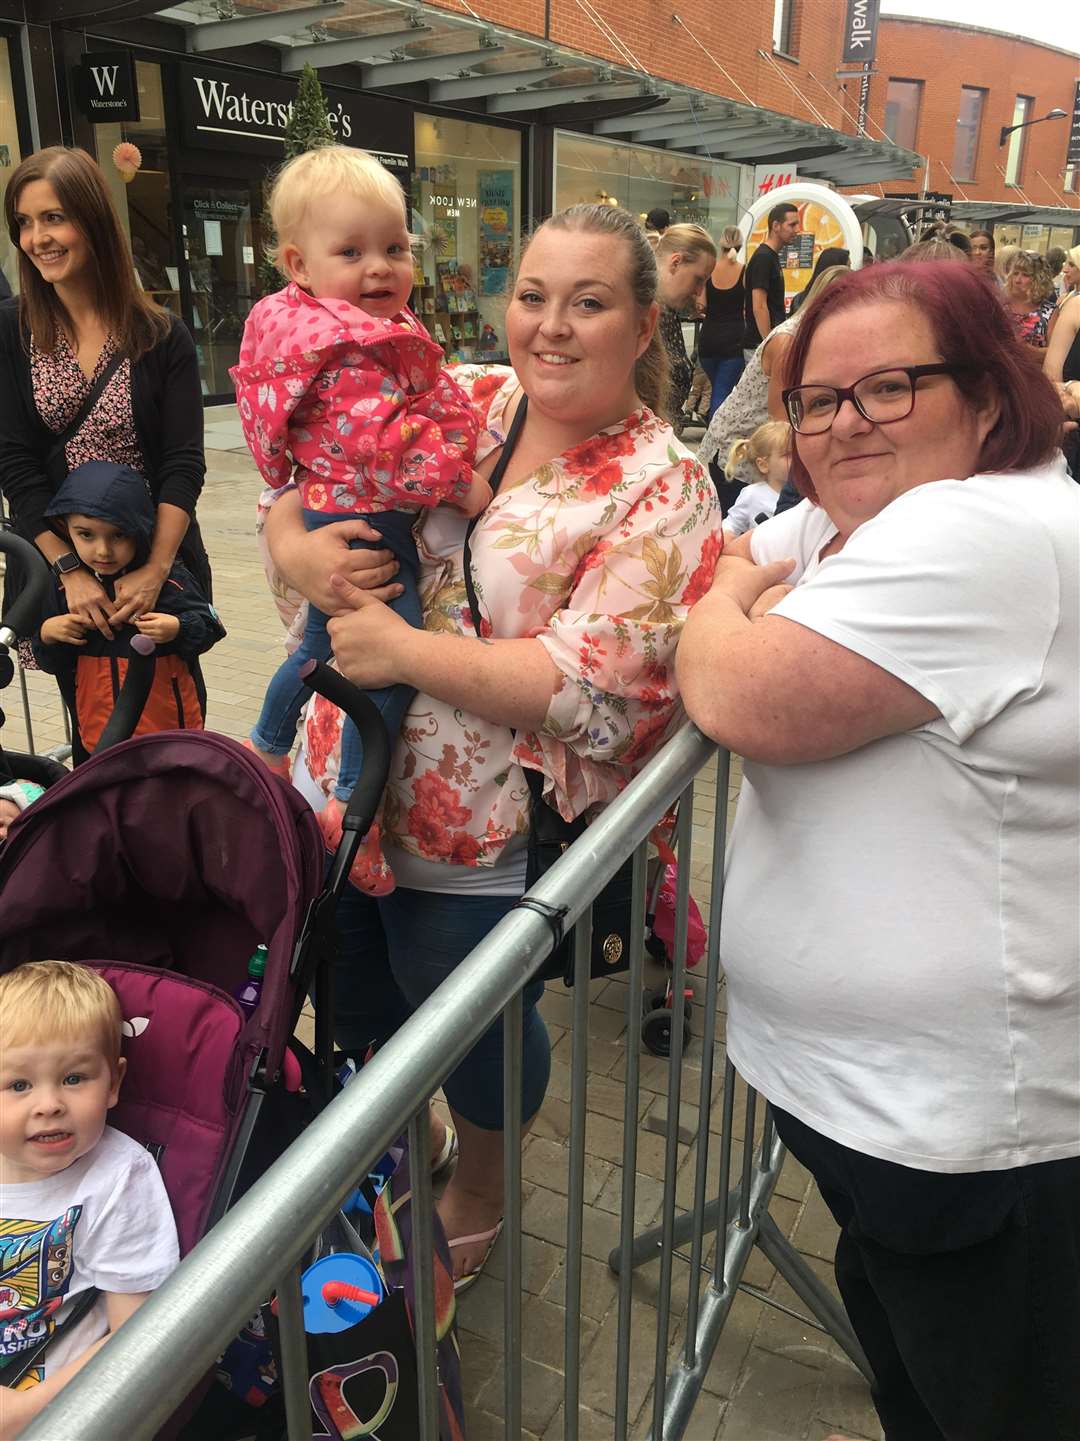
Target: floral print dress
(599, 555)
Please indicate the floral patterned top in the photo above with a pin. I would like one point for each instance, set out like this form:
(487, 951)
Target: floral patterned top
(680, 369)
(361, 406)
(60, 387)
(1031, 325)
(599, 555)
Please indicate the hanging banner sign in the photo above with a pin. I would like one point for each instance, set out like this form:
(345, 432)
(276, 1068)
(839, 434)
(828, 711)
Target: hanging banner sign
(1072, 155)
(495, 189)
(860, 31)
(106, 86)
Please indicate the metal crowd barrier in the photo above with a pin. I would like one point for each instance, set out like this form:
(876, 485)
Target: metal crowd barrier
(131, 1387)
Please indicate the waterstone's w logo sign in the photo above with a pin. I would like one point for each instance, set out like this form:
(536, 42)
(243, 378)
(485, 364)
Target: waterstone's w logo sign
(106, 86)
(105, 78)
(860, 30)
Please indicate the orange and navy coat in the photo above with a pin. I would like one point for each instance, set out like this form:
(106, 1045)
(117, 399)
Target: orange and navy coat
(90, 676)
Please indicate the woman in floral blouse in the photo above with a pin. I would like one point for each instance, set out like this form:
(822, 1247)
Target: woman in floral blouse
(603, 533)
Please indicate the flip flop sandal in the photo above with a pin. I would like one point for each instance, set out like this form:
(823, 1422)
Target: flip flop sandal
(469, 1278)
(443, 1164)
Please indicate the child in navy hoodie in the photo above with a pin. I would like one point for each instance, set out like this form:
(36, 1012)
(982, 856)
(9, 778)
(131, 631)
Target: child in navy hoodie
(106, 512)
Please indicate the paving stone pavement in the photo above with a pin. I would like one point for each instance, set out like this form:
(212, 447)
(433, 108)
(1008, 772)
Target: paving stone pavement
(772, 1378)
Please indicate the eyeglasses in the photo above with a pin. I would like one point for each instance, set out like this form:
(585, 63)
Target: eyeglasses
(881, 397)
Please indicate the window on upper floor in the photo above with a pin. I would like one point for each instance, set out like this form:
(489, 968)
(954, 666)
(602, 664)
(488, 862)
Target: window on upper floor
(968, 124)
(1014, 159)
(902, 101)
(783, 26)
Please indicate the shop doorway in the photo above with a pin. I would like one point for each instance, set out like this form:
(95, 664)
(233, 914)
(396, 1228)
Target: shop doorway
(223, 241)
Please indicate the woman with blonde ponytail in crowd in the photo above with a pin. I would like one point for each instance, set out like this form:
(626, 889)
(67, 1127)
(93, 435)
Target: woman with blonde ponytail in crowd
(685, 256)
(602, 534)
(720, 348)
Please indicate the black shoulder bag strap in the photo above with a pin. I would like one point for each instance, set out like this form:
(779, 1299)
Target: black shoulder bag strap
(79, 419)
(494, 480)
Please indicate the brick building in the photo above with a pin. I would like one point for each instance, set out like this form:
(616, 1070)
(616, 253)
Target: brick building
(946, 90)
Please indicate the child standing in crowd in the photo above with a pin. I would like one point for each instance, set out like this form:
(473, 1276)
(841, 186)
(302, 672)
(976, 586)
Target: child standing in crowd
(769, 451)
(82, 1206)
(338, 379)
(14, 799)
(106, 512)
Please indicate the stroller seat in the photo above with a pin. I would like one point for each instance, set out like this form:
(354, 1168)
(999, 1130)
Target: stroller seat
(184, 1084)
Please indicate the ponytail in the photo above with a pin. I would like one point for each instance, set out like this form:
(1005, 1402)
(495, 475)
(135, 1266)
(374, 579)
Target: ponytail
(652, 376)
(736, 455)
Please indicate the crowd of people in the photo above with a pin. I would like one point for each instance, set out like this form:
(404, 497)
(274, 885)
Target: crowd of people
(866, 583)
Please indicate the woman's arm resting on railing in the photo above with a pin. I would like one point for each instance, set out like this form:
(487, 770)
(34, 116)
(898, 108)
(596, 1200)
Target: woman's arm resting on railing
(777, 691)
(307, 559)
(508, 682)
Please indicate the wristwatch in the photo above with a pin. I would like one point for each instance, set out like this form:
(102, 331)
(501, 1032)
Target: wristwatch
(65, 564)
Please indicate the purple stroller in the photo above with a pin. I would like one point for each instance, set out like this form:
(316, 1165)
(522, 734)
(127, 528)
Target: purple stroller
(164, 862)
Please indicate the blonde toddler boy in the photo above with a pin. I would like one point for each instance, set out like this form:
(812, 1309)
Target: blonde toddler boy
(82, 1206)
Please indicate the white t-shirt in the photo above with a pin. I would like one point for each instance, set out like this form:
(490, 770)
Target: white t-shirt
(753, 500)
(901, 929)
(798, 533)
(105, 1222)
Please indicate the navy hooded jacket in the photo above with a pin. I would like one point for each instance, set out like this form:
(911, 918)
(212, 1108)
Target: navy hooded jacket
(90, 675)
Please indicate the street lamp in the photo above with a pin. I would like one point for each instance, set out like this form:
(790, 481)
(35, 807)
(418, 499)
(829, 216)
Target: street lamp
(1054, 114)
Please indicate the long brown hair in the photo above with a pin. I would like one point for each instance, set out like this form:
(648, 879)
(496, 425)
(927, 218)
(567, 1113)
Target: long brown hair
(132, 319)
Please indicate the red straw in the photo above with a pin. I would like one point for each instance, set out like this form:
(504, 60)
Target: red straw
(335, 1291)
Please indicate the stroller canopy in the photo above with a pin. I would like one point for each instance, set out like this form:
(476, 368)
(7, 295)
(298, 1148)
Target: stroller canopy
(177, 850)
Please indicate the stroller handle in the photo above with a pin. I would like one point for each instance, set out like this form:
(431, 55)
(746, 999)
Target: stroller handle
(364, 801)
(133, 693)
(25, 613)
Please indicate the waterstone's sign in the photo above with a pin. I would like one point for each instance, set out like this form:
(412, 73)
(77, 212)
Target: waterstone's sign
(860, 31)
(243, 110)
(106, 86)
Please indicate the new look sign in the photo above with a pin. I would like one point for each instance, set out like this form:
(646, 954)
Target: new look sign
(106, 86)
(860, 31)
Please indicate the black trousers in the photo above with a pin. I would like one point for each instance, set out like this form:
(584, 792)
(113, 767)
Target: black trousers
(964, 1290)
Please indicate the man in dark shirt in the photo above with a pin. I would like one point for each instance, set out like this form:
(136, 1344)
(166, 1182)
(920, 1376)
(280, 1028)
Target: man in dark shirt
(764, 280)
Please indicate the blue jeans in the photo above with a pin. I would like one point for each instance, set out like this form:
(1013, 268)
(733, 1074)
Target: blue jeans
(286, 695)
(394, 953)
(724, 375)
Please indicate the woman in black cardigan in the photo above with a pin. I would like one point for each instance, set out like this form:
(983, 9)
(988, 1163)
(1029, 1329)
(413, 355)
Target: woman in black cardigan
(81, 320)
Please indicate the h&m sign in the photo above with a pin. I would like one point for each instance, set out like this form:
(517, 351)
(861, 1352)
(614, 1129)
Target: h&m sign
(860, 31)
(107, 87)
(245, 110)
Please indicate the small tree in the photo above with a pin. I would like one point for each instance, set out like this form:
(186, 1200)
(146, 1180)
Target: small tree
(309, 123)
(308, 129)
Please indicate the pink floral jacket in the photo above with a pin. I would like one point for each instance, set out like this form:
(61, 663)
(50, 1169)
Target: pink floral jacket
(362, 407)
(599, 555)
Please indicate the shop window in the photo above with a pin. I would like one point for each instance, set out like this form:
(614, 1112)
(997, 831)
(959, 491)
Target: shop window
(1014, 159)
(10, 156)
(467, 213)
(968, 122)
(902, 101)
(783, 26)
(689, 187)
(143, 199)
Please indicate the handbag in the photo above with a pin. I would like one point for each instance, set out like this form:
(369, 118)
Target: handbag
(550, 834)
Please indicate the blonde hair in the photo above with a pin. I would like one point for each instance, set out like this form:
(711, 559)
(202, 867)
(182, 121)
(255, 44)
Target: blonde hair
(822, 282)
(1004, 256)
(731, 238)
(651, 367)
(312, 176)
(49, 1000)
(689, 241)
(1028, 262)
(769, 439)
